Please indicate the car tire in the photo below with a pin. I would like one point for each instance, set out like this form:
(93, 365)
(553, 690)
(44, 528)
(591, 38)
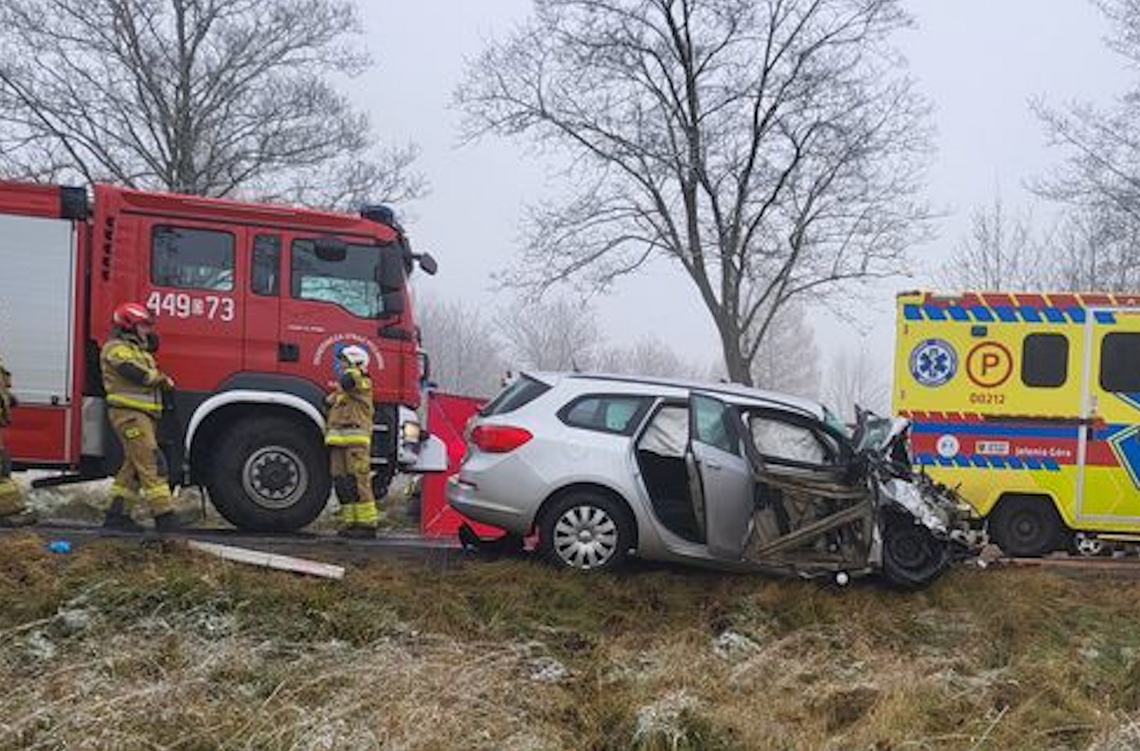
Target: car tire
(585, 531)
(912, 556)
(269, 475)
(1026, 527)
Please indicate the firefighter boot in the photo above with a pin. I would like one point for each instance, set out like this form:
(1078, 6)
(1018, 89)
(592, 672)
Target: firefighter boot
(169, 521)
(118, 518)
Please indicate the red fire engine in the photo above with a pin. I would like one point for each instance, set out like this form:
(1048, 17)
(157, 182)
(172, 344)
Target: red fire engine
(253, 302)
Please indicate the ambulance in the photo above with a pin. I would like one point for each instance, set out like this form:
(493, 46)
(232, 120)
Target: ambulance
(1028, 404)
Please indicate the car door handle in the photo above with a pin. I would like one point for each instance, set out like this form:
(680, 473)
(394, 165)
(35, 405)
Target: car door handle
(711, 464)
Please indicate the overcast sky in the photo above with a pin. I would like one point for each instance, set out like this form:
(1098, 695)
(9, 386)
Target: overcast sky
(979, 61)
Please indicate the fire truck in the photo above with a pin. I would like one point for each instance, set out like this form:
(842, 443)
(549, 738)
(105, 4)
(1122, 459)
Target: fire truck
(253, 303)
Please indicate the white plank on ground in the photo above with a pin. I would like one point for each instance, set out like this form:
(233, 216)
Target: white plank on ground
(269, 560)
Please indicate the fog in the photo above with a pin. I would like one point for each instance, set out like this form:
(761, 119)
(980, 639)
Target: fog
(979, 62)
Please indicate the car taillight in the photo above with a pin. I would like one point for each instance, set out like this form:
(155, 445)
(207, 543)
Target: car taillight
(499, 439)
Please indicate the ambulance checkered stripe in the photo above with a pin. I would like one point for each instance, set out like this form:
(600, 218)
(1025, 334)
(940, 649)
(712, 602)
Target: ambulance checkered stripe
(1002, 314)
(997, 307)
(987, 462)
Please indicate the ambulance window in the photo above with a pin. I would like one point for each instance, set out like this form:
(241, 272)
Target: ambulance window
(266, 277)
(1045, 360)
(192, 258)
(1120, 363)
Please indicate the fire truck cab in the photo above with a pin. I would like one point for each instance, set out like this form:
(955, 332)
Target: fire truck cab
(253, 302)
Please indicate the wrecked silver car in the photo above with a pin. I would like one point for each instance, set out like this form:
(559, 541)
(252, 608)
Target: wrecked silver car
(601, 467)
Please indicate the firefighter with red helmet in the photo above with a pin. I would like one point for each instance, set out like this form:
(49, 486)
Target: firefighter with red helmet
(349, 439)
(134, 386)
(13, 508)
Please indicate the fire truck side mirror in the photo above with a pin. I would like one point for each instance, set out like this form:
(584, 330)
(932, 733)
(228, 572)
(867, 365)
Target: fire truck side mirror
(331, 250)
(428, 263)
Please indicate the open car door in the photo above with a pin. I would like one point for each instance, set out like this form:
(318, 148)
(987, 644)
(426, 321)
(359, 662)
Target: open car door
(723, 487)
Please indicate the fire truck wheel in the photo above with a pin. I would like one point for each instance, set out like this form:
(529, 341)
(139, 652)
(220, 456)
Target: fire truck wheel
(269, 475)
(1025, 526)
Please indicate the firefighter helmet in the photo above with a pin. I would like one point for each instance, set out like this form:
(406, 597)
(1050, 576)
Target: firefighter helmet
(131, 314)
(355, 356)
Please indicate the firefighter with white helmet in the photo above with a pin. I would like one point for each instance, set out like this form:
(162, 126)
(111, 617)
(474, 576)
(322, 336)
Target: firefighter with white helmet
(13, 508)
(134, 386)
(349, 439)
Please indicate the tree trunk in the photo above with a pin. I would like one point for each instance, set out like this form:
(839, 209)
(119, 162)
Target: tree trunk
(737, 365)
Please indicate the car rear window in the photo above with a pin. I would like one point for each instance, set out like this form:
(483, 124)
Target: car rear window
(608, 414)
(522, 391)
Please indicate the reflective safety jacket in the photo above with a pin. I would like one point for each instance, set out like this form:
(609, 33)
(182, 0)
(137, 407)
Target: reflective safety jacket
(6, 400)
(131, 377)
(350, 410)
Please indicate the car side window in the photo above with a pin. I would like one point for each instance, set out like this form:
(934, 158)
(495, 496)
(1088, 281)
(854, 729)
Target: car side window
(778, 439)
(607, 414)
(712, 424)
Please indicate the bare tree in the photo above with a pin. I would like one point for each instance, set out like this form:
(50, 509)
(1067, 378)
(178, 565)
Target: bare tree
(556, 335)
(770, 148)
(788, 359)
(464, 350)
(1095, 249)
(1099, 182)
(210, 97)
(998, 253)
(649, 356)
(856, 378)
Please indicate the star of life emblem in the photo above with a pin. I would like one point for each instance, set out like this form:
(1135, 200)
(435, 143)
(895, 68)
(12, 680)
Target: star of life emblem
(933, 362)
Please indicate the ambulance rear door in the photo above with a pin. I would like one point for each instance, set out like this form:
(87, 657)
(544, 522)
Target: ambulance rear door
(1109, 482)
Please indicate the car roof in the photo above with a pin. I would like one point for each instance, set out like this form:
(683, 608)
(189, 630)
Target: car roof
(653, 383)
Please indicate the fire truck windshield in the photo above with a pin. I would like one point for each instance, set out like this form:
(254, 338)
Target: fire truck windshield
(350, 283)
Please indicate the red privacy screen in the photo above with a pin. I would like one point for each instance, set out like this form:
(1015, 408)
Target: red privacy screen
(448, 415)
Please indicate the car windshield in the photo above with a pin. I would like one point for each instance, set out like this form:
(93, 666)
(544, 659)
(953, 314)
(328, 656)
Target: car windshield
(831, 420)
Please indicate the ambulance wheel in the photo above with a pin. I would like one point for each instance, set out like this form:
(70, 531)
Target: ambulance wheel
(1026, 526)
(912, 556)
(269, 474)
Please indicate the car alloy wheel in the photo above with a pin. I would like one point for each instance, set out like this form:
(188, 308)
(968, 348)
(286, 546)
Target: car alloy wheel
(585, 537)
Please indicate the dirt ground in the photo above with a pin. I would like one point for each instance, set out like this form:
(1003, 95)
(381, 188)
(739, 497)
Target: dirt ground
(119, 645)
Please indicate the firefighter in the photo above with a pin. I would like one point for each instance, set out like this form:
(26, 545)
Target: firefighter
(135, 387)
(349, 438)
(14, 511)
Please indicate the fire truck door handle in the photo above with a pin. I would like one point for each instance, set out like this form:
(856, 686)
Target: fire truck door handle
(288, 352)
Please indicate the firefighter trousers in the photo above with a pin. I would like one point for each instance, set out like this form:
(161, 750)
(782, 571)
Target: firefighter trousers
(351, 467)
(11, 497)
(143, 473)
